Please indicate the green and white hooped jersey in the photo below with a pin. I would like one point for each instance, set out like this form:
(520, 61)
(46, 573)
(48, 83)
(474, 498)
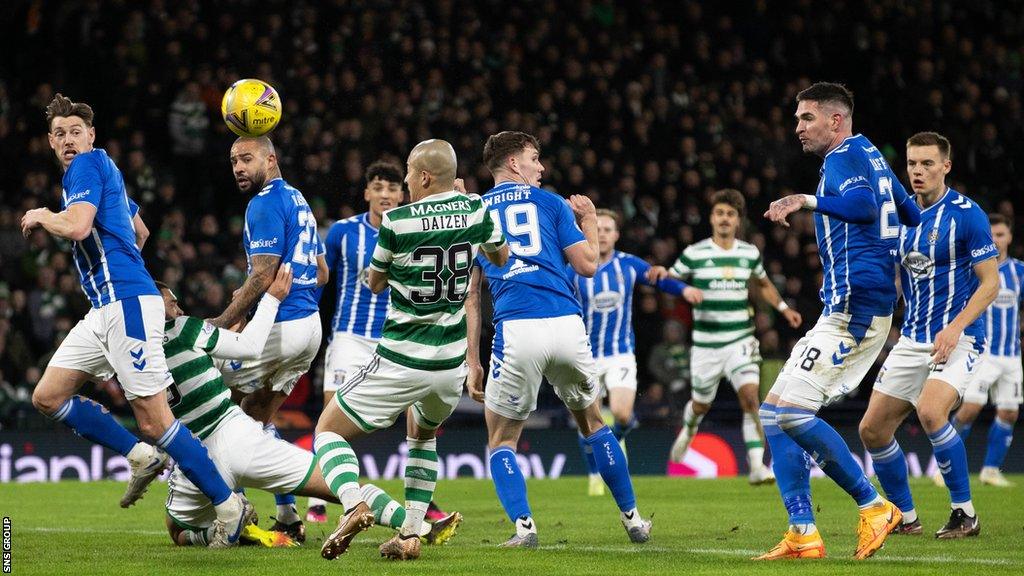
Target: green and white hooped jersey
(427, 248)
(198, 396)
(724, 315)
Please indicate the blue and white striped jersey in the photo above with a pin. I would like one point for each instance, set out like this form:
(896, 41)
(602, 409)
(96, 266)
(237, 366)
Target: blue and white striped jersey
(856, 259)
(279, 222)
(938, 259)
(539, 226)
(358, 310)
(1002, 319)
(607, 301)
(109, 264)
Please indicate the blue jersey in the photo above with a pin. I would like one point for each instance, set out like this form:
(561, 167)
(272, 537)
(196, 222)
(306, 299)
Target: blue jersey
(1002, 319)
(109, 264)
(937, 271)
(856, 259)
(350, 245)
(539, 225)
(278, 222)
(607, 301)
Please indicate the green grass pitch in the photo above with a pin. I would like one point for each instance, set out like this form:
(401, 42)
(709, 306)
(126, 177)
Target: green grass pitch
(700, 527)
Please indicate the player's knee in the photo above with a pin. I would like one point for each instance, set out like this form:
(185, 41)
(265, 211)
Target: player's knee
(932, 418)
(174, 531)
(1007, 416)
(700, 408)
(791, 421)
(46, 401)
(870, 434)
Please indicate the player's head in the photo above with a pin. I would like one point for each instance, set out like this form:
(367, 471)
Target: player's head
(1002, 232)
(513, 156)
(607, 230)
(70, 129)
(929, 159)
(430, 168)
(383, 186)
(253, 162)
(171, 308)
(824, 116)
(727, 207)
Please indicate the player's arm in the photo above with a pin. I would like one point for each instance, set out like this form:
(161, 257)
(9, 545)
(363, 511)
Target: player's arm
(323, 272)
(73, 223)
(475, 376)
(264, 269)
(380, 262)
(681, 270)
(583, 255)
(141, 231)
(767, 291)
(985, 261)
(248, 344)
(493, 245)
(907, 209)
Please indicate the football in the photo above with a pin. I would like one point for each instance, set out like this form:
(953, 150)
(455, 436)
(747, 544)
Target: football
(251, 107)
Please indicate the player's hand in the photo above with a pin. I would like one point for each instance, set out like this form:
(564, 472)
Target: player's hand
(460, 186)
(32, 220)
(792, 317)
(282, 284)
(656, 274)
(779, 210)
(582, 206)
(475, 382)
(945, 342)
(693, 295)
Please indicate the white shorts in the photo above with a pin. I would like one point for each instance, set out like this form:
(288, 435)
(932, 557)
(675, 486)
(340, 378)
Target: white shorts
(909, 365)
(375, 395)
(345, 354)
(998, 379)
(740, 362)
(527, 350)
(290, 349)
(831, 359)
(246, 456)
(125, 338)
(617, 371)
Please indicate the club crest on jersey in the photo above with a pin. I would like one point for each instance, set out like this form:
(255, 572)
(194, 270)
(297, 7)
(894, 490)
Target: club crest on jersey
(607, 301)
(1005, 299)
(918, 264)
(933, 236)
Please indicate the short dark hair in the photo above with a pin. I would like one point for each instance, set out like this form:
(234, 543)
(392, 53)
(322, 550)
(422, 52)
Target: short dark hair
(162, 286)
(61, 107)
(730, 197)
(504, 144)
(822, 92)
(385, 170)
(932, 139)
(997, 218)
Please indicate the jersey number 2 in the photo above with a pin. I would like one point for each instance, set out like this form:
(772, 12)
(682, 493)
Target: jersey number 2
(887, 230)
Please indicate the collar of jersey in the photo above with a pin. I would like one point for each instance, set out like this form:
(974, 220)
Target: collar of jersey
(845, 140)
(434, 197)
(940, 201)
(366, 220)
(506, 183)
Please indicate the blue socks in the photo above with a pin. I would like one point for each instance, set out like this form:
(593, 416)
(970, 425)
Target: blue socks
(791, 466)
(891, 468)
(611, 463)
(999, 437)
(279, 499)
(194, 461)
(952, 460)
(92, 421)
(964, 430)
(588, 454)
(509, 483)
(820, 440)
(620, 431)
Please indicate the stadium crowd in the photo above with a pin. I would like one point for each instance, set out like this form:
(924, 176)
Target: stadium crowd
(646, 106)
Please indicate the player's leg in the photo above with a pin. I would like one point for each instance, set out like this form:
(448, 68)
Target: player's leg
(1007, 396)
(571, 374)
(340, 469)
(513, 382)
(79, 358)
(878, 433)
(336, 362)
(933, 408)
(753, 434)
(595, 485)
(708, 367)
(621, 385)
